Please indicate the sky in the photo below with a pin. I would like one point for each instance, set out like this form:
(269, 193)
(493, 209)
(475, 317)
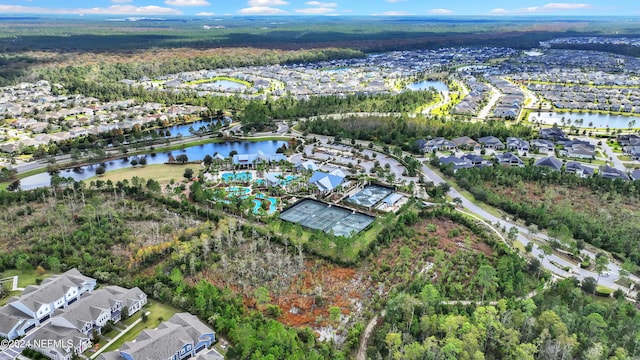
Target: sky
(208, 8)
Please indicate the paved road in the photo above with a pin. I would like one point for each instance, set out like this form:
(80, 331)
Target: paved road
(445, 100)
(612, 157)
(495, 96)
(579, 273)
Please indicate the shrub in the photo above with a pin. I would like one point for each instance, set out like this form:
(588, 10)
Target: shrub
(603, 291)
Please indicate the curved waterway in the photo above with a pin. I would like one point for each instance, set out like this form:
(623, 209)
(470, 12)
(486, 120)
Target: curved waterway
(196, 152)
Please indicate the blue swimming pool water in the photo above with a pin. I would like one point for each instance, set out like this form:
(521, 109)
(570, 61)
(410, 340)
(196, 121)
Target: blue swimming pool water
(258, 202)
(241, 176)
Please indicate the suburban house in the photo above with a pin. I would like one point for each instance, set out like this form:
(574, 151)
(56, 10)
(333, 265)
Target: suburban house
(39, 302)
(629, 140)
(635, 175)
(251, 160)
(552, 133)
(132, 299)
(579, 169)
(609, 172)
(549, 162)
(633, 151)
(578, 149)
(477, 160)
(509, 159)
(438, 144)
(456, 163)
(94, 310)
(514, 143)
(76, 325)
(491, 142)
(181, 337)
(327, 181)
(60, 343)
(466, 143)
(543, 146)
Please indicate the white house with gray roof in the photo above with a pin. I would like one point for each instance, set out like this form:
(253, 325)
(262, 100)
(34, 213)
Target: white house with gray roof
(59, 343)
(181, 337)
(38, 302)
(94, 310)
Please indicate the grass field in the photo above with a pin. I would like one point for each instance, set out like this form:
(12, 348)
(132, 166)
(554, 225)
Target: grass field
(161, 173)
(25, 278)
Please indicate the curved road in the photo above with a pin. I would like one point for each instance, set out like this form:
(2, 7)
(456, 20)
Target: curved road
(579, 273)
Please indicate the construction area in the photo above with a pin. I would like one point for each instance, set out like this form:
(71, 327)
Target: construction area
(328, 218)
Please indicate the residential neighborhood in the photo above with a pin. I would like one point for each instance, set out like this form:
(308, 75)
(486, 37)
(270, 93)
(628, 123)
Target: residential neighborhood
(61, 318)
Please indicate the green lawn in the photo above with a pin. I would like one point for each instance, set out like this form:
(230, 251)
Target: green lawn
(162, 173)
(25, 278)
(158, 313)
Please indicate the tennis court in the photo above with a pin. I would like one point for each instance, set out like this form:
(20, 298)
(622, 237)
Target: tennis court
(369, 196)
(317, 215)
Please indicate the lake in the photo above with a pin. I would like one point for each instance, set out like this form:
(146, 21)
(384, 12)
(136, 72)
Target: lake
(193, 153)
(424, 85)
(598, 120)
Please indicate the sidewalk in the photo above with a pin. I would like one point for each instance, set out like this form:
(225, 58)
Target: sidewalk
(115, 338)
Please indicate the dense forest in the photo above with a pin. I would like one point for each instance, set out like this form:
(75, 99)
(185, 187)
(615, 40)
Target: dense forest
(206, 262)
(595, 210)
(561, 322)
(276, 32)
(139, 66)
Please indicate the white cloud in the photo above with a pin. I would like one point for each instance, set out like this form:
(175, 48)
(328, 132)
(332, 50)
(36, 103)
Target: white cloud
(205, 13)
(262, 10)
(121, 1)
(392, 13)
(187, 2)
(565, 6)
(267, 3)
(130, 9)
(439, 11)
(312, 11)
(111, 10)
(550, 7)
(321, 4)
(499, 11)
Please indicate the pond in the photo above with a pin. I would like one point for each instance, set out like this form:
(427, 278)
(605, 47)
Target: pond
(424, 85)
(224, 84)
(183, 129)
(196, 152)
(589, 120)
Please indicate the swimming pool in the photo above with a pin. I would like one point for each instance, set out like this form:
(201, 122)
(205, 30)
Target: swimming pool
(258, 203)
(240, 176)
